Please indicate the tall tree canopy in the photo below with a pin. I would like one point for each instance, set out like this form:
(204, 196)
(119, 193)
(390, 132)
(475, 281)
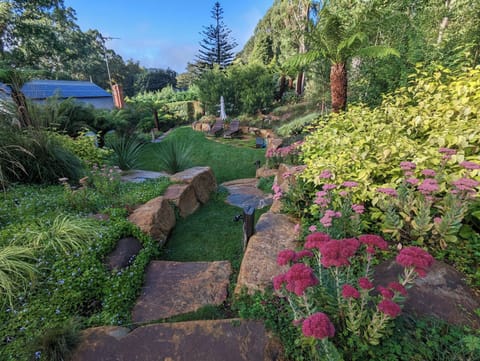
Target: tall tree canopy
(216, 47)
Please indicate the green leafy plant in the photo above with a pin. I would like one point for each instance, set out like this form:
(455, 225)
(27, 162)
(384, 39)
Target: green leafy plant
(16, 270)
(63, 234)
(174, 156)
(126, 150)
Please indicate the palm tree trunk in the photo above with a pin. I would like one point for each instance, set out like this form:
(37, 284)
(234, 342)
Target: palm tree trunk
(338, 86)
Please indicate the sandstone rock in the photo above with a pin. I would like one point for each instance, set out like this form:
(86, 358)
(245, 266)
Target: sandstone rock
(156, 218)
(173, 288)
(202, 180)
(218, 340)
(273, 233)
(124, 253)
(273, 143)
(183, 196)
(264, 172)
(442, 294)
(244, 193)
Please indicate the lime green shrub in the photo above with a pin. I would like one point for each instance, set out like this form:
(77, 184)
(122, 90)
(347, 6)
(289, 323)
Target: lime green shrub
(367, 145)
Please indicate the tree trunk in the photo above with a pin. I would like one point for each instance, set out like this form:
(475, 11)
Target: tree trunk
(21, 103)
(300, 83)
(155, 119)
(338, 86)
(445, 20)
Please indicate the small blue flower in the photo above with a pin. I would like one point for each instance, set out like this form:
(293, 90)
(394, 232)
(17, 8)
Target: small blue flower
(57, 311)
(38, 355)
(61, 282)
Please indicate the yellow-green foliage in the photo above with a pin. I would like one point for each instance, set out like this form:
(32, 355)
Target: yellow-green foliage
(186, 110)
(367, 145)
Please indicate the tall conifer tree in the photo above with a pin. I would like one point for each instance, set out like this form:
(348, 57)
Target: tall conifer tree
(216, 47)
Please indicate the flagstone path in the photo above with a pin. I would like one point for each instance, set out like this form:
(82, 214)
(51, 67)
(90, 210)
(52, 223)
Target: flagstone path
(175, 288)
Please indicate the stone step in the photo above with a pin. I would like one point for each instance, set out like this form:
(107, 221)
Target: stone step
(214, 340)
(244, 193)
(173, 288)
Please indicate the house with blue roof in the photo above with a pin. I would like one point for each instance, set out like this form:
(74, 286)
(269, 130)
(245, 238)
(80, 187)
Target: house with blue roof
(82, 91)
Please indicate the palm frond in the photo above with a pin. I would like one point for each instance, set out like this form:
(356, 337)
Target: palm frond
(378, 51)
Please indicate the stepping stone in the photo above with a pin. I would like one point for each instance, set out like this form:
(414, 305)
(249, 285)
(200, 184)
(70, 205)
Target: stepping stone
(173, 288)
(273, 233)
(219, 340)
(123, 255)
(244, 193)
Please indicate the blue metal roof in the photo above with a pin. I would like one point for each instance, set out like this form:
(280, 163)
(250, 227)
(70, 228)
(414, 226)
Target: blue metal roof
(41, 89)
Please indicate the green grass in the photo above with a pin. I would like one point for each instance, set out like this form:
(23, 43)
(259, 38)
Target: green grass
(210, 234)
(227, 162)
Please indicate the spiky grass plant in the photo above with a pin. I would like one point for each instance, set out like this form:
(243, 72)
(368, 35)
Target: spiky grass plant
(57, 343)
(126, 149)
(64, 234)
(16, 270)
(174, 156)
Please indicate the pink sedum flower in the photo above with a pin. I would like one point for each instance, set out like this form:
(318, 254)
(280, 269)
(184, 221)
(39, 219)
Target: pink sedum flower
(300, 277)
(350, 184)
(397, 287)
(407, 165)
(325, 174)
(429, 173)
(385, 292)
(415, 257)
(336, 253)
(373, 241)
(389, 308)
(469, 165)
(388, 191)
(358, 208)
(305, 253)
(349, 291)
(428, 186)
(313, 241)
(318, 326)
(278, 282)
(329, 186)
(285, 257)
(365, 283)
(312, 228)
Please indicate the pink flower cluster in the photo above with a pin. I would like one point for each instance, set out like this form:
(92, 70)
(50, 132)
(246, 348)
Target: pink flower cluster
(365, 283)
(313, 241)
(466, 186)
(373, 241)
(322, 199)
(328, 216)
(349, 291)
(469, 165)
(297, 279)
(318, 326)
(388, 191)
(415, 257)
(288, 256)
(389, 308)
(350, 184)
(407, 166)
(283, 151)
(325, 174)
(277, 191)
(429, 186)
(358, 208)
(336, 252)
(447, 153)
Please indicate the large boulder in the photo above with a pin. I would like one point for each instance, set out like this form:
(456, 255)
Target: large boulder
(124, 253)
(273, 233)
(184, 198)
(201, 178)
(442, 293)
(173, 288)
(156, 218)
(214, 340)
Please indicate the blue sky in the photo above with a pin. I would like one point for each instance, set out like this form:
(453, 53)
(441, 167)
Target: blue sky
(161, 33)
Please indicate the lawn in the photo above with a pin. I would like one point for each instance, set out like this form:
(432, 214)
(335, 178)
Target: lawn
(227, 162)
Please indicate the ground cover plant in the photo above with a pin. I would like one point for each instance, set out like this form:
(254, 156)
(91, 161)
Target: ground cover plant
(227, 162)
(53, 275)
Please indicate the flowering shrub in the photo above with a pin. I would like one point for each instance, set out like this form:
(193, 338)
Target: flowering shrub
(426, 208)
(288, 155)
(328, 295)
(106, 180)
